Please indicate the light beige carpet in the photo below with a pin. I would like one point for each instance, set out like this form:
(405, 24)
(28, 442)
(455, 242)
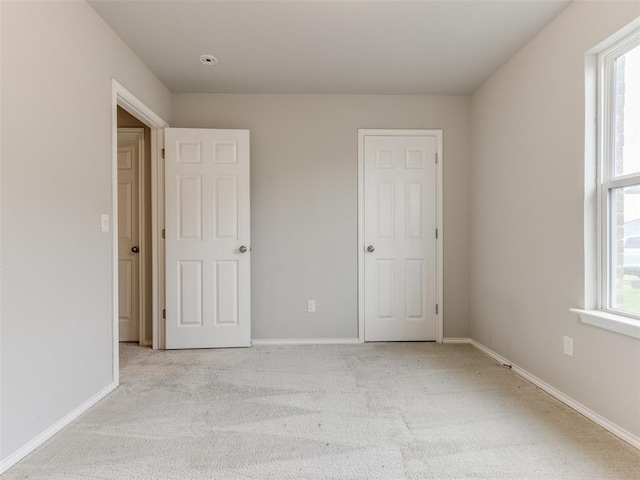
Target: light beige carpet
(373, 411)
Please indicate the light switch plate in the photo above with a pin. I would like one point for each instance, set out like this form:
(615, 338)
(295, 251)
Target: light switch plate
(104, 222)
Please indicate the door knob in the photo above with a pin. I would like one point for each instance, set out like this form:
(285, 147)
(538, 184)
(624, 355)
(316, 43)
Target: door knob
(370, 249)
(135, 249)
(243, 249)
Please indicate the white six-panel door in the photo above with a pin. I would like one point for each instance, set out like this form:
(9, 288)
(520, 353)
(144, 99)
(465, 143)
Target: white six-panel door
(130, 146)
(399, 248)
(207, 238)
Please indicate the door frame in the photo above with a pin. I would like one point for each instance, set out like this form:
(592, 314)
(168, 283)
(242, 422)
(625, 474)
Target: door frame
(142, 241)
(121, 97)
(362, 133)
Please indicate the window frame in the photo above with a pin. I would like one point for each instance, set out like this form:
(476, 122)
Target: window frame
(607, 181)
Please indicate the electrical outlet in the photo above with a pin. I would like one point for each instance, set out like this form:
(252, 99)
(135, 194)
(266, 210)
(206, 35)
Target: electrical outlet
(311, 306)
(568, 346)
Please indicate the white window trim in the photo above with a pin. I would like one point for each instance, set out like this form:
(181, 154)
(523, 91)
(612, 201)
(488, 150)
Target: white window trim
(609, 321)
(603, 316)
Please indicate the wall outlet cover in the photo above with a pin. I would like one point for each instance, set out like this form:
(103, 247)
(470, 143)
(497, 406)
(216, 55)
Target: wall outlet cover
(568, 346)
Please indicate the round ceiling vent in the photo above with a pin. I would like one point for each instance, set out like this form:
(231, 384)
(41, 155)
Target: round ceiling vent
(208, 59)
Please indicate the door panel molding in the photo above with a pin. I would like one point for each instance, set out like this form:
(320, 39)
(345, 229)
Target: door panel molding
(413, 160)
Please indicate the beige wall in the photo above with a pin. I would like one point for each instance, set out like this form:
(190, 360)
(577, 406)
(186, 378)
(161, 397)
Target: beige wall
(515, 232)
(125, 119)
(304, 161)
(527, 217)
(58, 61)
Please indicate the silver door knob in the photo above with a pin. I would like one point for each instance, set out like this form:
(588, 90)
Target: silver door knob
(370, 249)
(135, 249)
(243, 249)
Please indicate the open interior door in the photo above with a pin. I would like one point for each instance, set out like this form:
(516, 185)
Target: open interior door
(208, 267)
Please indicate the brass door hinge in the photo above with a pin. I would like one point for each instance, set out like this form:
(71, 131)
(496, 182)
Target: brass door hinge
(163, 153)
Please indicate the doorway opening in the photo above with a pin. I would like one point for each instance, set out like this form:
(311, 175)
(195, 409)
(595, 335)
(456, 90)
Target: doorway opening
(126, 108)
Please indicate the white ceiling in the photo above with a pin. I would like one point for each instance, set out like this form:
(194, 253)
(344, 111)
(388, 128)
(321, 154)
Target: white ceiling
(330, 46)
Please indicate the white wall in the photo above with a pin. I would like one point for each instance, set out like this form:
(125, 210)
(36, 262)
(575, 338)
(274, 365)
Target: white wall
(304, 164)
(58, 60)
(527, 217)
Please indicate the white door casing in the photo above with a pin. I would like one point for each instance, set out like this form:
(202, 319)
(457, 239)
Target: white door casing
(207, 238)
(400, 259)
(130, 304)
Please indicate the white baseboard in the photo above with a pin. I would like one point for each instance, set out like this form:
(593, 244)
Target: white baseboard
(306, 341)
(456, 340)
(26, 449)
(567, 400)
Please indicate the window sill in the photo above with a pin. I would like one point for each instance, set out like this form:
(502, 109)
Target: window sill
(609, 321)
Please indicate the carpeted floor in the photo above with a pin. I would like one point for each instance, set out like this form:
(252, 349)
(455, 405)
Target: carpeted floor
(373, 411)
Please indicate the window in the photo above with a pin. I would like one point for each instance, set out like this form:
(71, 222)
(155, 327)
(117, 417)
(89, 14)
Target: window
(619, 174)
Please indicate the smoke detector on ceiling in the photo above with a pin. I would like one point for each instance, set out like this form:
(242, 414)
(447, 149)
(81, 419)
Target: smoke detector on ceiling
(208, 59)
